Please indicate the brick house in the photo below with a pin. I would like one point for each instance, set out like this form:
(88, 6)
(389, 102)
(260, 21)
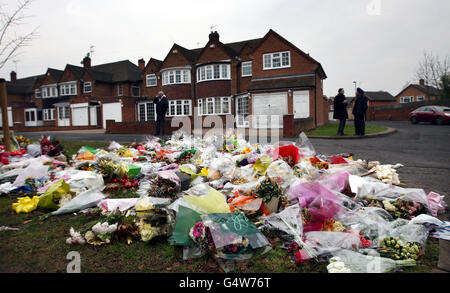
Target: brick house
(375, 98)
(85, 97)
(417, 93)
(266, 76)
(20, 93)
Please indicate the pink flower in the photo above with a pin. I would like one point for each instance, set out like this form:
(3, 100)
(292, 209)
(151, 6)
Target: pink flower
(198, 230)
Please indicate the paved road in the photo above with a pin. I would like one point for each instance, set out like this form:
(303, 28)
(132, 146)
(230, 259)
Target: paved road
(424, 149)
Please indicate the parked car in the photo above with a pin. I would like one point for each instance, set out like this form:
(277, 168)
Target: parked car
(435, 114)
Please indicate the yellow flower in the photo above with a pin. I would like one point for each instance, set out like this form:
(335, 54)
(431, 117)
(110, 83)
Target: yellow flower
(204, 172)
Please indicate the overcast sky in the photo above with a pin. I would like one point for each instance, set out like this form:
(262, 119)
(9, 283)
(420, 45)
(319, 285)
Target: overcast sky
(375, 42)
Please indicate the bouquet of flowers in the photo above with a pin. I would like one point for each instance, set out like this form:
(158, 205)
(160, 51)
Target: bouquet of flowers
(394, 248)
(398, 208)
(268, 189)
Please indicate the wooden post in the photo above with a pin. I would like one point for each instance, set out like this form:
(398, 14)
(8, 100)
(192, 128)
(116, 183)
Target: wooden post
(4, 105)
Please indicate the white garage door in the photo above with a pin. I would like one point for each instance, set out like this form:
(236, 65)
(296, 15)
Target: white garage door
(267, 105)
(112, 111)
(80, 116)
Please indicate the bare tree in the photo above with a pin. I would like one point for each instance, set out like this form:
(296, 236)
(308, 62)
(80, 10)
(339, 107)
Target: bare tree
(432, 68)
(10, 41)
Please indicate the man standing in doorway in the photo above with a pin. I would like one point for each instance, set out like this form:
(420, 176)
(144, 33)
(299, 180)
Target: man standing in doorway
(162, 104)
(359, 111)
(340, 111)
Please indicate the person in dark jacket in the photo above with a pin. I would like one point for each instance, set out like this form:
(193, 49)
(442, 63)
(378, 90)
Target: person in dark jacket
(340, 111)
(359, 111)
(162, 104)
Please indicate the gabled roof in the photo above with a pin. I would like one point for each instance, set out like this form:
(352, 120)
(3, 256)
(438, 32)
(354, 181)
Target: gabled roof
(157, 62)
(55, 72)
(23, 85)
(120, 71)
(428, 90)
(76, 70)
(307, 56)
(238, 46)
(380, 96)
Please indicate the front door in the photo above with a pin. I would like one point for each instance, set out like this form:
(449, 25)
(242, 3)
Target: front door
(301, 104)
(63, 116)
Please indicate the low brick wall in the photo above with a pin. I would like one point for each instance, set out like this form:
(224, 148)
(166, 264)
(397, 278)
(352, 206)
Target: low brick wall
(21, 128)
(292, 128)
(399, 112)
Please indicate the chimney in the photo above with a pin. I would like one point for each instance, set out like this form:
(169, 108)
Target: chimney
(422, 82)
(214, 36)
(13, 76)
(141, 63)
(86, 61)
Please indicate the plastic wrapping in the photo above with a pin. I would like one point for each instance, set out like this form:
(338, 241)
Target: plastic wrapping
(84, 200)
(337, 182)
(36, 170)
(213, 202)
(85, 180)
(322, 242)
(121, 204)
(288, 221)
(359, 263)
(437, 228)
(305, 146)
(186, 219)
(282, 173)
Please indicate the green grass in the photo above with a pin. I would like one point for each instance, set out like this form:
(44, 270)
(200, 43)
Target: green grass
(332, 129)
(39, 246)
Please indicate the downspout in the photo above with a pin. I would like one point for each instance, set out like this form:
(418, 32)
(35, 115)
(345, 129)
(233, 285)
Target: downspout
(315, 99)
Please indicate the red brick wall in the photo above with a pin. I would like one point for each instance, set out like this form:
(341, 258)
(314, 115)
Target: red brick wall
(218, 88)
(292, 128)
(299, 63)
(177, 91)
(151, 91)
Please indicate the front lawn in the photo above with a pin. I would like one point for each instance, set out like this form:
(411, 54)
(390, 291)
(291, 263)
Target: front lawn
(332, 129)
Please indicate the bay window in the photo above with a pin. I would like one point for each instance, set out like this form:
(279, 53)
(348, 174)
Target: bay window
(37, 94)
(214, 106)
(277, 60)
(213, 72)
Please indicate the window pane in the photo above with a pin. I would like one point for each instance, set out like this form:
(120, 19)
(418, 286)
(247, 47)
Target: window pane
(286, 61)
(171, 77)
(203, 73)
(225, 71)
(141, 112)
(150, 112)
(172, 108)
(226, 105)
(179, 108)
(32, 116)
(267, 61)
(186, 108)
(210, 106)
(208, 72)
(204, 107)
(218, 106)
(276, 60)
(178, 76)
(186, 76)
(216, 71)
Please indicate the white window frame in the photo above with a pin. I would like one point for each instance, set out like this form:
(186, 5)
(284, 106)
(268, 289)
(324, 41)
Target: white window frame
(151, 80)
(212, 101)
(406, 100)
(170, 76)
(203, 71)
(84, 87)
(271, 56)
(422, 98)
(49, 114)
(182, 103)
(44, 92)
(146, 114)
(37, 93)
(67, 87)
(246, 65)
(120, 89)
